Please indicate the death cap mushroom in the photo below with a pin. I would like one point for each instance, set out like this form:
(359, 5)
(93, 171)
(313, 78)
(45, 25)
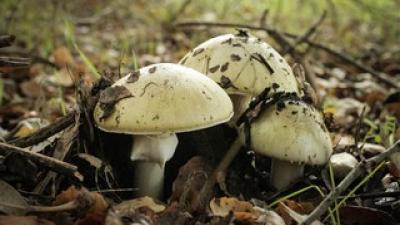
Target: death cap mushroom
(153, 104)
(292, 133)
(166, 98)
(242, 64)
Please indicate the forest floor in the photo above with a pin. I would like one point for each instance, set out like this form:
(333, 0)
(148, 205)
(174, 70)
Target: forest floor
(57, 167)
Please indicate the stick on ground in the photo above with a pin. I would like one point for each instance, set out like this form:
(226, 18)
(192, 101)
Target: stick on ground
(51, 163)
(379, 75)
(349, 179)
(45, 132)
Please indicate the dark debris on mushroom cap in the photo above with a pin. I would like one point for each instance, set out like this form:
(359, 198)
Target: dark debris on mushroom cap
(259, 58)
(111, 96)
(133, 77)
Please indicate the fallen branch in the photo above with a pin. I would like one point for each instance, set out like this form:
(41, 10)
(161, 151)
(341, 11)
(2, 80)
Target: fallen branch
(82, 203)
(34, 58)
(6, 40)
(379, 75)
(45, 132)
(51, 163)
(349, 179)
(310, 31)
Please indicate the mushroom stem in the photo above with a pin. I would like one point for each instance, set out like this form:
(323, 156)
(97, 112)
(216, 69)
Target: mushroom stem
(149, 178)
(283, 173)
(150, 154)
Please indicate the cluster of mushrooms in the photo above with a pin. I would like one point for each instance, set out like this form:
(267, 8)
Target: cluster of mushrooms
(215, 83)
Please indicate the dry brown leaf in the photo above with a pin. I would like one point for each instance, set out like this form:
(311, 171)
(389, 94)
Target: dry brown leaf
(132, 205)
(298, 207)
(99, 206)
(62, 57)
(222, 206)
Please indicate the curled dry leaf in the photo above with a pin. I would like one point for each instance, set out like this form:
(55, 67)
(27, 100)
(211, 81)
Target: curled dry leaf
(268, 217)
(223, 206)
(99, 205)
(62, 57)
(296, 209)
(190, 180)
(139, 211)
(297, 217)
(134, 204)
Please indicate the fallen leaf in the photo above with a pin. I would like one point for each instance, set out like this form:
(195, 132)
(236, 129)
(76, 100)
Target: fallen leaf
(62, 57)
(134, 204)
(223, 206)
(10, 197)
(190, 180)
(295, 216)
(99, 206)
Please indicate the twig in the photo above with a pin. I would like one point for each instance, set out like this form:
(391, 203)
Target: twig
(379, 75)
(53, 164)
(45, 132)
(14, 62)
(83, 202)
(382, 194)
(34, 58)
(306, 35)
(6, 40)
(345, 183)
(180, 11)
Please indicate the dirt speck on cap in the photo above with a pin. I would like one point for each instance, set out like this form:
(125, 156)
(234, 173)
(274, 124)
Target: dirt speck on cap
(198, 51)
(224, 67)
(152, 69)
(235, 57)
(214, 69)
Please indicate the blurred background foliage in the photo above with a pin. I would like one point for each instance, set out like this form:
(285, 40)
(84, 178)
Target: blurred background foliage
(107, 29)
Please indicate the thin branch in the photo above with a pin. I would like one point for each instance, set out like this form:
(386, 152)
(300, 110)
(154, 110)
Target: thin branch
(348, 180)
(51, 163)
(6, 40)
(306, 35)
(45, 132)
(379, 75)
(34, 58)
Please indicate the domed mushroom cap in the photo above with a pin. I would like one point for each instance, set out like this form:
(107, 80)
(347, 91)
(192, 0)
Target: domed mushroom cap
(165, 98)
(292, 131)
(242, 64)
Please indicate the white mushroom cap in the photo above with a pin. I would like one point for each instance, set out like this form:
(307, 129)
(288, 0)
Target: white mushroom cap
(342, 163)
(292, 131)
(242, 64)
(166, 98)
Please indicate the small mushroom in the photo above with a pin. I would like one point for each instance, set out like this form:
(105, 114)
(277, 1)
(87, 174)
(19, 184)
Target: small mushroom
(163, 99)
(342, 163)
(244, 66)
(248, 63)
(292, 136)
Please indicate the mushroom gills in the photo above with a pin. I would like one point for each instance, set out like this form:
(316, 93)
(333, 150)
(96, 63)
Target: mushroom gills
(283, 173)
(150, 153)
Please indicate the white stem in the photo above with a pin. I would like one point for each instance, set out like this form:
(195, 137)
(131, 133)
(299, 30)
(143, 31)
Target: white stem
(284, 173)
(150, 154)
(149, 179)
